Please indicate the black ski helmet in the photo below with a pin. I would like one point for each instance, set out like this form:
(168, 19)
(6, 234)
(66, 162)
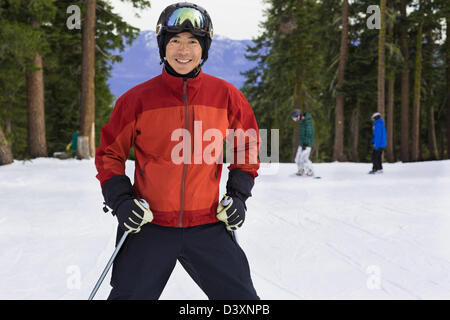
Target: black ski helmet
(184, 16)
(295, 115)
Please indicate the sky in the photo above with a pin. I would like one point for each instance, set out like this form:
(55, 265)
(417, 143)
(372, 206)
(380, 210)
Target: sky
(234, 19)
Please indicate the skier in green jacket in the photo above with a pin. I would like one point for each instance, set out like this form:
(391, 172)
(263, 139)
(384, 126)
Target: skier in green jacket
(305, 142)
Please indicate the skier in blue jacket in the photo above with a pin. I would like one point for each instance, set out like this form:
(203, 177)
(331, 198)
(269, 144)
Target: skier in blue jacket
(379, 142)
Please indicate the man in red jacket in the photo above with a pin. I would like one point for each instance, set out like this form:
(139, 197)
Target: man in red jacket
(185, 222)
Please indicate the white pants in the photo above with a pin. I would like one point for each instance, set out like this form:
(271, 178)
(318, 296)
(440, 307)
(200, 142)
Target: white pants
(302, 160)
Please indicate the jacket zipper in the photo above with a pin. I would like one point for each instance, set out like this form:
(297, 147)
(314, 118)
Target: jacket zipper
(186, 124)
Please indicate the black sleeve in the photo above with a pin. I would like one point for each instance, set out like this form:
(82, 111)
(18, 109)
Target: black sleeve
(240, 184)
(116, 190)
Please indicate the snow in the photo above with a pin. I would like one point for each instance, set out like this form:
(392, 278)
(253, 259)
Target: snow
(348, 235)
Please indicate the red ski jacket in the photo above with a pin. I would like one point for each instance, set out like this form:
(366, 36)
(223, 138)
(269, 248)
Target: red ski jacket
(177, 128)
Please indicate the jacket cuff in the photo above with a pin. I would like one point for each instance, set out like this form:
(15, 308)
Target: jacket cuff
(116, 190)
(240, 184)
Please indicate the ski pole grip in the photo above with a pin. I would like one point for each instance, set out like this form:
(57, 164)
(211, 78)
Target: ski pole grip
(144, 203)
(226, 200)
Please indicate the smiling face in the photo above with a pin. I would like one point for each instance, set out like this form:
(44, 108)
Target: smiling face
(183, 52)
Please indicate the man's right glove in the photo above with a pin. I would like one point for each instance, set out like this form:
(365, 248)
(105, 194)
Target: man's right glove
(233, 214)
(132, 214)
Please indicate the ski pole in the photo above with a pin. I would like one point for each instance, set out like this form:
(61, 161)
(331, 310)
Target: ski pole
(225, 202)
(108, 266)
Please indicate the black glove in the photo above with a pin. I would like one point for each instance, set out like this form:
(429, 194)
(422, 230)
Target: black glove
(130, 212)
(233, 214)
(239, 186)
(304, 146)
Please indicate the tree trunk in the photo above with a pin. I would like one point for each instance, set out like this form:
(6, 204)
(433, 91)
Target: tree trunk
(404, 134)
(382, 59)
(8, 129)
(448, 87)
(37, 144)
(338, 149)
(415, 152)
(87, 121)
(432, 140)
(299, 79)
(390, 156)
(5, 149)
(355, 131)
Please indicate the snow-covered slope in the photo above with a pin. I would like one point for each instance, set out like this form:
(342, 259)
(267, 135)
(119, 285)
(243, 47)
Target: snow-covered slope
(349, 235)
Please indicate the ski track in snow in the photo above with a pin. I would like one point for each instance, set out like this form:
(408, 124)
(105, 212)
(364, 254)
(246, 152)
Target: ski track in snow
(304, 238)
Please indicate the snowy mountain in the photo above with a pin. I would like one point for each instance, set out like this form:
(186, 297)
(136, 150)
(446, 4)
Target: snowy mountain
(141, 62)
(348, 235)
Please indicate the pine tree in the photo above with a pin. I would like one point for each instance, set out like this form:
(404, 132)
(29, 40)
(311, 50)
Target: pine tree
(394, 58)
(26, 48)
(338, 150)
(86, 145)
(5, 149)
(415, 150)
(375, 61)
(61, 60)
(12, 51)
(405, 108)
(37, 141)
(447, 59)
(36, 13)
(381, 59)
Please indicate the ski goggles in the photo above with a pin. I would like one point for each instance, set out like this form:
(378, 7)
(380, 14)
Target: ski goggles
(188, 18)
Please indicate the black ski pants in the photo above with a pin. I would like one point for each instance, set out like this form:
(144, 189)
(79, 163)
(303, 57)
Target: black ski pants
(208, 253)
(377, 159)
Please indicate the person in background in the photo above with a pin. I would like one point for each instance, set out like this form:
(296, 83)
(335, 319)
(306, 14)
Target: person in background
(73, 144)
(379, 143)
(305, 142)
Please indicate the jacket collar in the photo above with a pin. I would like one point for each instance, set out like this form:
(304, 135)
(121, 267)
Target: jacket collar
(176, 83)
(379, 120)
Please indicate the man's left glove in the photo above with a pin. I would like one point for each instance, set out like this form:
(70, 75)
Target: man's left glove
(239, 186)
(233, 214)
